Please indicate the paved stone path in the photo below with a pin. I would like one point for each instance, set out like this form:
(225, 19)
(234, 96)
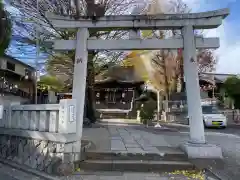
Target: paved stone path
(126, 139)
(100, 138)
(134, 141)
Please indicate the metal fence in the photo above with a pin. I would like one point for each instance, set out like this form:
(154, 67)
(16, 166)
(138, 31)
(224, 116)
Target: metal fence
(177, 111)
(181, 106)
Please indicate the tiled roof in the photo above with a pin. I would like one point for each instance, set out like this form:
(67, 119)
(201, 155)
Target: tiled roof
(18, 61)
(118, 73)
(218, 78)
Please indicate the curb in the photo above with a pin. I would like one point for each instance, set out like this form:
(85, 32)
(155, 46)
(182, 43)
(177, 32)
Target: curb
(216, 176)
(210, 171)
(26, 169)
(233, 126)
(175, 125)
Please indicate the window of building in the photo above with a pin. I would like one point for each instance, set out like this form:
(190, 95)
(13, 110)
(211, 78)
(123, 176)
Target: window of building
(10, 66)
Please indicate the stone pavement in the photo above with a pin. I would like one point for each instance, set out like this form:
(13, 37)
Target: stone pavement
(99, 136)
(134, 141)
(130, 140)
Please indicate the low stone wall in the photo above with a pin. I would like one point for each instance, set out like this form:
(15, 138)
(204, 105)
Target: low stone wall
(42, 137)
(38, 154)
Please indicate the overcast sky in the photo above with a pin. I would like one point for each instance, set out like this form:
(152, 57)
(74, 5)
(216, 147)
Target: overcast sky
(229, 52)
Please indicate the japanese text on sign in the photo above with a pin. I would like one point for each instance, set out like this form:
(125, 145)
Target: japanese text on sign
(72, 113)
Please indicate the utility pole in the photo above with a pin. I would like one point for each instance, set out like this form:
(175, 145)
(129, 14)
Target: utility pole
(37, 57)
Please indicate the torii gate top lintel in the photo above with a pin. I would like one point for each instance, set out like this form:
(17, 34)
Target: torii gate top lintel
(203, 20)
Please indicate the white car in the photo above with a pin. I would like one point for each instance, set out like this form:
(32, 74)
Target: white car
(212, 117)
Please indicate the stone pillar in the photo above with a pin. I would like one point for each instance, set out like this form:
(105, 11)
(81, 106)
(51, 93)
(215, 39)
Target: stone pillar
(192, 86)
(196, 147)
(79, 80)
(67, 116)
(52, 98)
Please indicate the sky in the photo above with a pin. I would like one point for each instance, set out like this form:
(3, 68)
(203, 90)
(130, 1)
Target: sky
(229, 52)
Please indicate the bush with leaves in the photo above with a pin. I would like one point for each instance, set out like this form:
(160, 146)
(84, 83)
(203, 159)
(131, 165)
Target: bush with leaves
(147, 111)
(232, 86)
(50, 83)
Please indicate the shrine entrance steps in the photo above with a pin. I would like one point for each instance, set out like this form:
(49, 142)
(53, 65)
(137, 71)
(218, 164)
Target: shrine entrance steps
(127, 149)
(112, 113)
(166, 160)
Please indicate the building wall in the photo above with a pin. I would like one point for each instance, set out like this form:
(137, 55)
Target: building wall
(9, 99)
(19, 67)
(114, 98)
(15, 76)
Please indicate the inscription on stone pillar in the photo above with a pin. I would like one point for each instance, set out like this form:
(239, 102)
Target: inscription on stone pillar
(79, 60)
(67, 116)
(72, 113)
(192, 60)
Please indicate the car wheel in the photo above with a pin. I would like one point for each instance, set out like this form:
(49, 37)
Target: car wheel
(223, 127)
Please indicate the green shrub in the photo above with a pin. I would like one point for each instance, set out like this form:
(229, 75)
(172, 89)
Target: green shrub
(147, 111)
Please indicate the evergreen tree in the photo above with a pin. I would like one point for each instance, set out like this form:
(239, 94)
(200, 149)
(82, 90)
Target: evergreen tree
(5, 29)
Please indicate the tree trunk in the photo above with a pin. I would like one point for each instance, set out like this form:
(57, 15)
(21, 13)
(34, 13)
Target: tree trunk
(236, 100)
(165, 77)
(182, 77)
(89, 110)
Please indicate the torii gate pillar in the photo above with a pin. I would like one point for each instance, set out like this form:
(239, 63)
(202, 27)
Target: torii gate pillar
(197, 146)
(192, 86)
(79, 81)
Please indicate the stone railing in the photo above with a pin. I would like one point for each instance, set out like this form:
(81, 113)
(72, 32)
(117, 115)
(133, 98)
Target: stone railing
(40, 136)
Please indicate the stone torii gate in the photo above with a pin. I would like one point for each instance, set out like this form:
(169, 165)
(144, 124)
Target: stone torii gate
(187, 23)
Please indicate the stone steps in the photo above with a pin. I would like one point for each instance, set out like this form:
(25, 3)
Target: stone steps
(166, 160)
(111, 115)
(135, 165)
(164, 156)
